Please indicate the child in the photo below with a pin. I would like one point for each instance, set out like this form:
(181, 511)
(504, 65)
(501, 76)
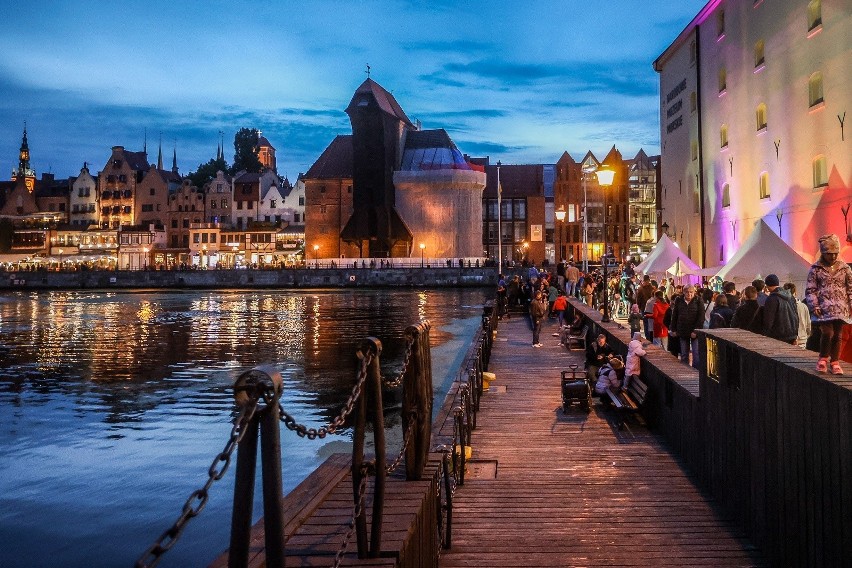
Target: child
(635, 319)
(634, 351)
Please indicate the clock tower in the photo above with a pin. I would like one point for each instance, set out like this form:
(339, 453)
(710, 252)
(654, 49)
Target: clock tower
(24, 171)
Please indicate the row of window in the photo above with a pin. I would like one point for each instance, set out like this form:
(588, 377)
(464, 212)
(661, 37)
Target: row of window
(820, 180)
(814, 17)
(84, 208)
(815, 95)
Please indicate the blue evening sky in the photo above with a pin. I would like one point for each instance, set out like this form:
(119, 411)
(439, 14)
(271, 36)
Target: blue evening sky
(517, 81)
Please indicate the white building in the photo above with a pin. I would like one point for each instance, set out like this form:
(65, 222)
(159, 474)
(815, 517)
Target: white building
(753, 100)
(84, 200)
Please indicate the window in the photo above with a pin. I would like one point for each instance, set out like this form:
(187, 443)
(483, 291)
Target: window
(720, 23)
(814, 14)
(723, 136)
(239, 205)
(759, 48)
(820, 172)
(764, 185)
(272, 204)
(153, 191)
(760, 116)
(815, 89)
(295, 217)
(322, 189)
(212, 237)
(224, 204)
(205, 237)
(302, 200)
(693, 51)
(723, 80)
(213, 204)
(174, 224)
(196, 238)
(693, 102)
(218, 188)
(694, 151)
(186, 223)
(726, 195)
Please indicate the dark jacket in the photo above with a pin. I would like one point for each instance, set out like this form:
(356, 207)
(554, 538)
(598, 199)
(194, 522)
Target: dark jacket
(733, 301)
(780, 316)
(744, 314)
(687, 317)
(597, 355)
(643, 295)
(721, 316)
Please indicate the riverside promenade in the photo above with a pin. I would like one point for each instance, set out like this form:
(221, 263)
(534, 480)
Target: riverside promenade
(546, 488)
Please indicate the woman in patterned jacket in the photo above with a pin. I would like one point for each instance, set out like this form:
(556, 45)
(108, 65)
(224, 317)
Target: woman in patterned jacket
(829, 297)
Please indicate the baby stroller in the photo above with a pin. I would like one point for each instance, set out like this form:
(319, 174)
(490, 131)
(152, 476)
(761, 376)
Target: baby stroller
(575, 390)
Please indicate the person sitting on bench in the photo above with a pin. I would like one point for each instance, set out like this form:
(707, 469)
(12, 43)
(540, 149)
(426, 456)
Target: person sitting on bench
(609, 378)
(597, 353)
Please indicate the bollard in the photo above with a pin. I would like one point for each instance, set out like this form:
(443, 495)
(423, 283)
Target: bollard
(265, 383)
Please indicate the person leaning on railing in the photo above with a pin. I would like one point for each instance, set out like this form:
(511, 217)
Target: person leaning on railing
(829, 296)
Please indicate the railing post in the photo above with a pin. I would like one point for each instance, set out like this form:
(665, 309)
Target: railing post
(238, 551)
(260, 382)
(417, 401)
(372, 391)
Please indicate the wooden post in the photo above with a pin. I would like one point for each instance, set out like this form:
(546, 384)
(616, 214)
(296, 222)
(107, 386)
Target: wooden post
(417, 401)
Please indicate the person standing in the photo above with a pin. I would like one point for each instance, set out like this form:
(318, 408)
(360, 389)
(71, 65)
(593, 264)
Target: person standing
(634, 352)
(746, 309)
(829, 294)
(804, 317)
(572, 276)
(780, 316)
(538, 308)
(687, 317)
(661, 332)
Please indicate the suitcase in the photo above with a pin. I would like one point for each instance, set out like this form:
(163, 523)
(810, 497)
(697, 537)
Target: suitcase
(575, 390)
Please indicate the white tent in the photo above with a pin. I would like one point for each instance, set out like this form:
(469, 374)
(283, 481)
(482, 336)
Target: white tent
(765, 253)
(664, 256)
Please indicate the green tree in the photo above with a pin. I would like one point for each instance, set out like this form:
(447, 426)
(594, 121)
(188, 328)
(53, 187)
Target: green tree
(245, 146)
(206, 172)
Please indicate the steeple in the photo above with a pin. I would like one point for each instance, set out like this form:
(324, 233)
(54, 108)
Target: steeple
(174, 159)
(24, 170)
(160, 154)
(145, 144)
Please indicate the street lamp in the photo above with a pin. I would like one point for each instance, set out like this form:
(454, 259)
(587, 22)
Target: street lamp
(665, 228)
(778, 215)
(605, 177)
(316, 256)
(586, 170)
(499, 226)
(560, 216)
(422, 248)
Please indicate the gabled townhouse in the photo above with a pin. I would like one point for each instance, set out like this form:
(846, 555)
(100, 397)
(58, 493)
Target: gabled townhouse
(83, 200)
(117, 185)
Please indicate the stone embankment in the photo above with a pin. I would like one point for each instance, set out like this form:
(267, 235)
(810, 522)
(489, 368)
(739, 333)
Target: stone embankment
(286, 278)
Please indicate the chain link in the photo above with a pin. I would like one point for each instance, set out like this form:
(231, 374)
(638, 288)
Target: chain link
(198, 498)
(398, 381)
(356, 512)
(330, 428)
(406, 441)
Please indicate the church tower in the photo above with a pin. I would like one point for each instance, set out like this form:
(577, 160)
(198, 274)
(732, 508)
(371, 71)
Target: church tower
(24, 171)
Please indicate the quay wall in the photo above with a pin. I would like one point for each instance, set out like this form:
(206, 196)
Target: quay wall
(250, 278)
(765, 434)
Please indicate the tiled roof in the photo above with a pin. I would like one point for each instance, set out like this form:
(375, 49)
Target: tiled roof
(262, 141)
(383, 98)
(137, 160)
(335, 162)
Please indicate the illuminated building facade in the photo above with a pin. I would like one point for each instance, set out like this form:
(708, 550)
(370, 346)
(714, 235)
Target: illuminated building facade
(753, 103)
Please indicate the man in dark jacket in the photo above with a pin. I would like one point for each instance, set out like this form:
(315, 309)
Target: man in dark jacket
(780, 315)
(687, 316)
(748, 306)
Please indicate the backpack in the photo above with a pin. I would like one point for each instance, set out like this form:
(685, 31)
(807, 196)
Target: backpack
(717, 321)
(667, 317)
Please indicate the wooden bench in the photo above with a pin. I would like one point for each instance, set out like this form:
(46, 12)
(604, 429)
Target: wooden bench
(579, 338)
(628, 401)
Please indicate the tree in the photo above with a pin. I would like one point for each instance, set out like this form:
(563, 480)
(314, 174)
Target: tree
(206, 172)
(246, 148)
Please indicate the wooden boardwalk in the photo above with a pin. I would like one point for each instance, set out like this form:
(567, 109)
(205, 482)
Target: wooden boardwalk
(549, 489)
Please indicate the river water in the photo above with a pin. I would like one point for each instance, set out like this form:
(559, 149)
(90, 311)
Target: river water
(113, 405)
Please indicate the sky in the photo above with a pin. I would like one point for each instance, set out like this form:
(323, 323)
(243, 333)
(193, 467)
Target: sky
(521, 82)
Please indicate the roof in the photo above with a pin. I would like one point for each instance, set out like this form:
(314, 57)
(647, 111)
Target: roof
(663, 256)
(383, 98)
(335, 162)
(136, 160)
(433, 150)
(262, 141)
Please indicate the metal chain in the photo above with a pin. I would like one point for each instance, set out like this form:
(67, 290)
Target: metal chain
(398, 381)
(198, 499)
(406, 441)
(330, 428)
(356, 512)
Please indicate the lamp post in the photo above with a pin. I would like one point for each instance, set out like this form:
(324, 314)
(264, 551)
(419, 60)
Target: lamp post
(586, 172)
(665, 228)
(560, 216)
(605, 177)
(60, 258)
(422, 248)
(316, 256)
(499, 225)
(145, 253)
(778, 215)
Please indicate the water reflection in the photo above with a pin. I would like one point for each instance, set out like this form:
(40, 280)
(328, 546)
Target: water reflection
(112, 405)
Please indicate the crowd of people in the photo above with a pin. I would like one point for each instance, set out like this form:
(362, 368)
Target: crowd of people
(669, 314)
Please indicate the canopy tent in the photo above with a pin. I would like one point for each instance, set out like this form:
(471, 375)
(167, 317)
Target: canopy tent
(765, 253)
(664, 256)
